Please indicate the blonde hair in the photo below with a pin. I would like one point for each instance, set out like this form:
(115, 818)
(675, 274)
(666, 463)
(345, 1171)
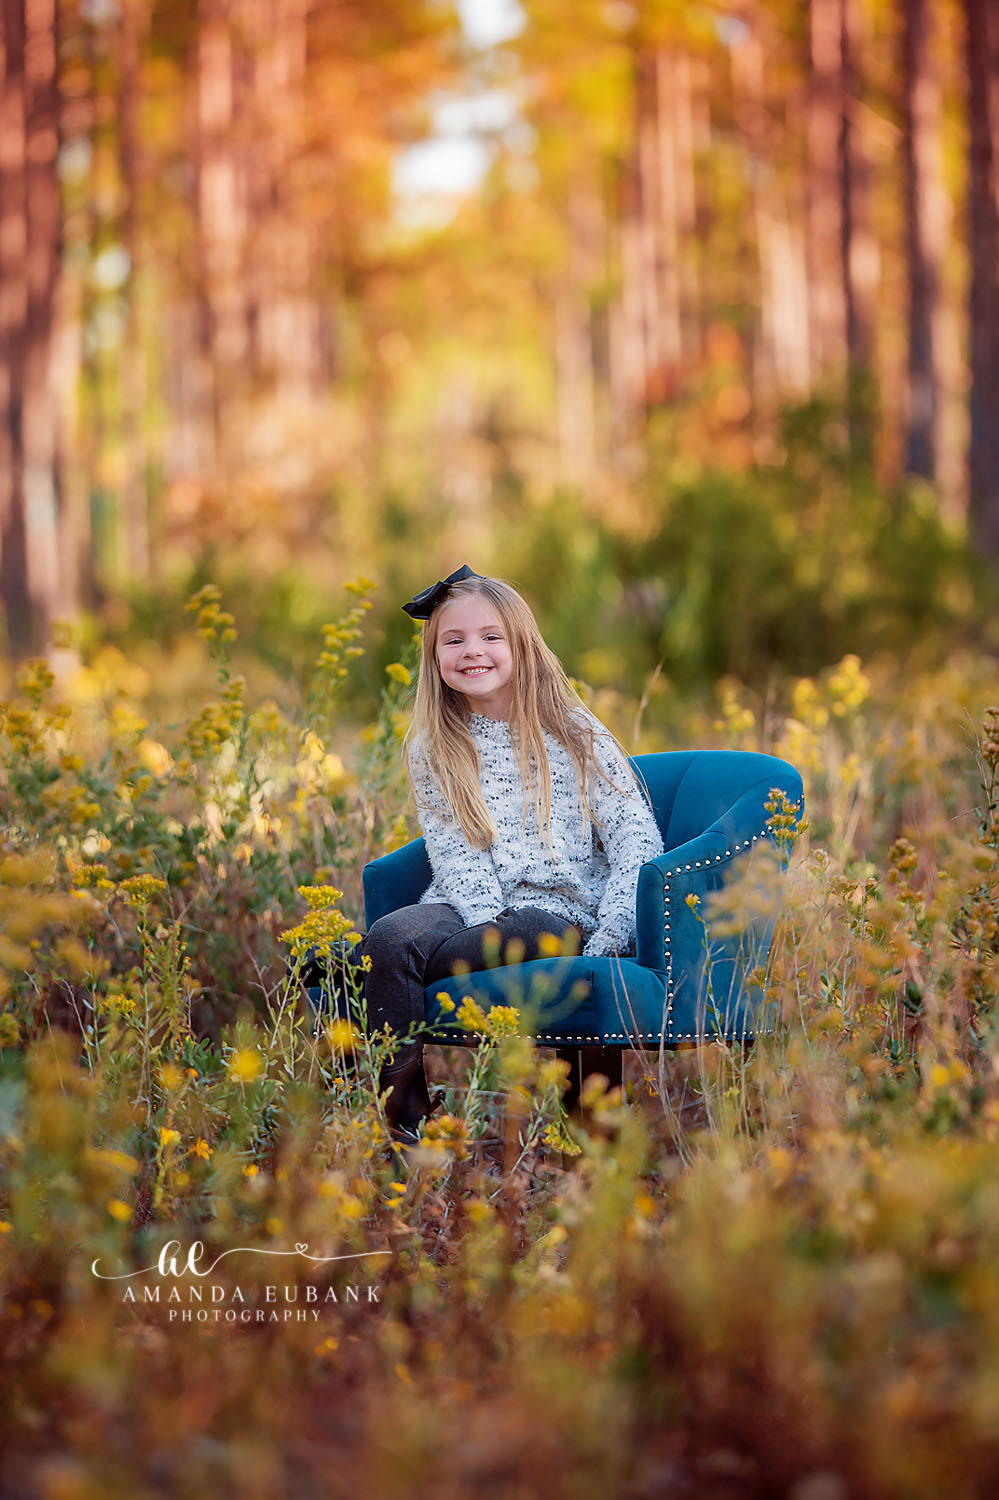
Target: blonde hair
(543, 699)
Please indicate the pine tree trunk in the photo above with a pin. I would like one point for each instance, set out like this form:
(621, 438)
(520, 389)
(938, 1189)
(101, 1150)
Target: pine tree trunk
(134, 547)
(574, 339)
(982, 21)
(19, 622)
(647, 138)
(627, 330)
(292, 327)
(667, 196)
(689, 122)
(220, 209)
(777, 276)
(861, 257)
(30, 246)
(827, 294)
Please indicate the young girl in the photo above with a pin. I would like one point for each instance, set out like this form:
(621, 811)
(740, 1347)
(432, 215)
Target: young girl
(532, 817)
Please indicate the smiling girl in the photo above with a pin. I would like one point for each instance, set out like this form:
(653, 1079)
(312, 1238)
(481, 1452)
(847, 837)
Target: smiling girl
(531, 815)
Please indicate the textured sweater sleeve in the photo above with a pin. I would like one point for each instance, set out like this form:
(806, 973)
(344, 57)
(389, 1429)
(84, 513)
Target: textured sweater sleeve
(465, 876)
(630, 837)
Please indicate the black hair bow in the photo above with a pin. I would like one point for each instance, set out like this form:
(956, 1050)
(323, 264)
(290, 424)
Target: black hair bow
(423, 606)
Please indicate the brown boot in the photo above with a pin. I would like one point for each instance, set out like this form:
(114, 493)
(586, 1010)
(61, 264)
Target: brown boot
(409, 1100)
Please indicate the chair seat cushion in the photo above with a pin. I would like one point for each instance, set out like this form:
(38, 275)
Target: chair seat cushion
(591, 1000)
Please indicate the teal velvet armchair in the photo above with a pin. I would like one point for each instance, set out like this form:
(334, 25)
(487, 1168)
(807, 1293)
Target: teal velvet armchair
(683, 983)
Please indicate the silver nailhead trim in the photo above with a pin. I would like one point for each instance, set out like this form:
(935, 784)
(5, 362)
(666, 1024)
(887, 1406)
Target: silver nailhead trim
(668, 955)
(666, 1034)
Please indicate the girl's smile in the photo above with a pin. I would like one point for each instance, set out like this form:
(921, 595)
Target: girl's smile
(474, 657)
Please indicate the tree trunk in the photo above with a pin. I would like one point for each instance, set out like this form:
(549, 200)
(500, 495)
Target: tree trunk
(649, 217)
(627, 332)
(982, 21)
(574, 339)
(668, 241)
(779, 279)
(656, 323)
(861, 258)
(827, 298)
(30, 231)
(926, 229)
(133, 521)
(220, 209)
(288, 323)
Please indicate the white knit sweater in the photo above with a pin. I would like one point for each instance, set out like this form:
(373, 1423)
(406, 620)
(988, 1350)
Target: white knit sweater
(593, 879)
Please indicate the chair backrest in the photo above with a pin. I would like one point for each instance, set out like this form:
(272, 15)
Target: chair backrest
(687, 790)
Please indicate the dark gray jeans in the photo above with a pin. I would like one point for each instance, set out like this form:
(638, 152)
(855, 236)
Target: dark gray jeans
(416, 945)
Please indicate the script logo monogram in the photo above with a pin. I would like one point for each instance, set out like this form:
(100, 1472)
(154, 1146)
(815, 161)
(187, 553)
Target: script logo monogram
(172, 1261)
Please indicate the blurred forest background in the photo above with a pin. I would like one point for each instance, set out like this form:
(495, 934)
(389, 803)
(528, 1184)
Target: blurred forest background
(682, 317)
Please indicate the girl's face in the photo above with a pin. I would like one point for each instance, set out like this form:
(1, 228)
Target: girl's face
(473, 655)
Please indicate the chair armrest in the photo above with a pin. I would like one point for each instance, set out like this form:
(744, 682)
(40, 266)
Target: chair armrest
(669, 935)
(395, 879)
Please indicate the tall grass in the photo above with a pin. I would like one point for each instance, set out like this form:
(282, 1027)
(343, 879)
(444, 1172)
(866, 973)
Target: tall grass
(766, 1271)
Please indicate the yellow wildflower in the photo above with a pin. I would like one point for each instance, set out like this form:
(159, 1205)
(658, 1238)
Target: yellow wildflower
(170, 1076)
(503, 1020)
(246, 1065)
(342, 1034)
(471, 1016)
(139, 890)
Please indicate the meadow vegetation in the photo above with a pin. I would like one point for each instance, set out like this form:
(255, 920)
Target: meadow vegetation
(763, 1272)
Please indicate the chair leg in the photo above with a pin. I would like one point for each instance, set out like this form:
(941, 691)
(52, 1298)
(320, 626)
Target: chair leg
(586, 1060)
(606, 1060)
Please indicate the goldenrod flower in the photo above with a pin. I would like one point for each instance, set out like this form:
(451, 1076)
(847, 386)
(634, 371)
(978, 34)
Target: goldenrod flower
(471, 1016)
(139, 890)
(503, 1020)
(246, 1066)
(559, 1141)
(171, 1076)
(342, 1034)
(554, 1070)
(323, 926)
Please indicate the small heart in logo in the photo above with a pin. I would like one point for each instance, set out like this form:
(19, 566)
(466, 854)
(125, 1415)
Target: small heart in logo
(301, 1249)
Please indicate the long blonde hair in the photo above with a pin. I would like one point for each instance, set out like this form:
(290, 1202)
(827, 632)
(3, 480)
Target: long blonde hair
(543, 699)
